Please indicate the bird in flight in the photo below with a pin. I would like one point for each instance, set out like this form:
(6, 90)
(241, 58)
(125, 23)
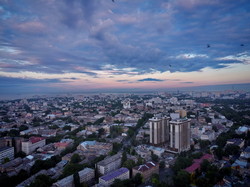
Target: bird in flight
(208, 45)
(113, 1)
(242, 45)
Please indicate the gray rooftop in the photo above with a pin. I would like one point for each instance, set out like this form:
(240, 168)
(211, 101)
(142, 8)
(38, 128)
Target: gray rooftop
(109, 160)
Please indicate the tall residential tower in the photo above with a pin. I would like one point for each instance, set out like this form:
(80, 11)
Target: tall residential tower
(159, 130)
(180, 135)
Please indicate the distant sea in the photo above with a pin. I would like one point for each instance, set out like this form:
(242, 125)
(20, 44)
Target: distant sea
(239, 87)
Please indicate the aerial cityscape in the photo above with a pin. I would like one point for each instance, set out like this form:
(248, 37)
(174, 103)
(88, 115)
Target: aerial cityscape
(122, 93)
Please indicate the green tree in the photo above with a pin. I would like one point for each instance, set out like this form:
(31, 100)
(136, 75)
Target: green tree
(124, 157)
(154, 157)
(231, 149)
(70, 169)
(155, 179)
(76, 178)
(204, 143)
(99, 121)
(215, 128)
(13, 133)
(129, 164)
(181, 163)
(53, 127)
(182, 179)
(5, 160)
(204, 165)
(67, 127)
(101, 131)
(23, 127)
(219, 153)
(75, 158)
(137, 180)
(162, 165)
(41, 181)
(201, 182)
(140, 161)
(117, 147)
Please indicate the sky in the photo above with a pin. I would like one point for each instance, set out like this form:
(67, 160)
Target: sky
(90, 45)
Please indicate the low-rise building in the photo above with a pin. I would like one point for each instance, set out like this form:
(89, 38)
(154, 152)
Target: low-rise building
(197, 163)
(32, 144)
(236, 141)
(95, 148)
(87, 175)
(246, 153)
(107, 180)
(208, 135)
(146, 170)
(109, 164)
(6, 152)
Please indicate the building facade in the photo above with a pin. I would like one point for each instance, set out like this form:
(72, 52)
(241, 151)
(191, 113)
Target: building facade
(107, 180)
(146, 170)
(6, 152)
(109, 164)
(87, 176)
(159, 130)
(33, 143)
(180, 135)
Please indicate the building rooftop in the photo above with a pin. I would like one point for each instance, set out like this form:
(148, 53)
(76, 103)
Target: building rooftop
(146, 166)
(34, 139)
(85, 171)
(114, 174)
(86, 143)
(5, 148)
(197, 163)
(109, 160)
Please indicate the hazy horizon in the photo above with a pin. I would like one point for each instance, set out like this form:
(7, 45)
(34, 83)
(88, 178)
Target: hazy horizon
(209, 88)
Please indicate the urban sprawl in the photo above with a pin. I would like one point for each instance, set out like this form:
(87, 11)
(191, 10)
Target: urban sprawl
(160, 139)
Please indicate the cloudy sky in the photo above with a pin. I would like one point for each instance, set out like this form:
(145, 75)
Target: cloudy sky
(86, 45)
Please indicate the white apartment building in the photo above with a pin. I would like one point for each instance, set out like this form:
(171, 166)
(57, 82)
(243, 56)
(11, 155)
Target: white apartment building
(109, 164)
(32, 144)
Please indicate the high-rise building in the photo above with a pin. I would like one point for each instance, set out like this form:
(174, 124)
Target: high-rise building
(180, 135)
(159, 130)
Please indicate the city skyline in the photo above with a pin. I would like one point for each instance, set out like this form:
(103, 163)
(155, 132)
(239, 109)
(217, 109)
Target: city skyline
(97, 45)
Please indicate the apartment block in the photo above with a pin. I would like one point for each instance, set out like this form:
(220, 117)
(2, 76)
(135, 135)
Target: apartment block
(180, 135)
(32, 144)
(86, 175)
(159, 130)
(109, 164)
(107, 180)
(6, 152)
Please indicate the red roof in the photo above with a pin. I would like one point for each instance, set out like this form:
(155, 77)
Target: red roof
(193, 167)
(61, 144)
(34, 139)
(197, 163)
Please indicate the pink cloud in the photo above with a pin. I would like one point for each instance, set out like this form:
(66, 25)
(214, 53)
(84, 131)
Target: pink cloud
(31, 27)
